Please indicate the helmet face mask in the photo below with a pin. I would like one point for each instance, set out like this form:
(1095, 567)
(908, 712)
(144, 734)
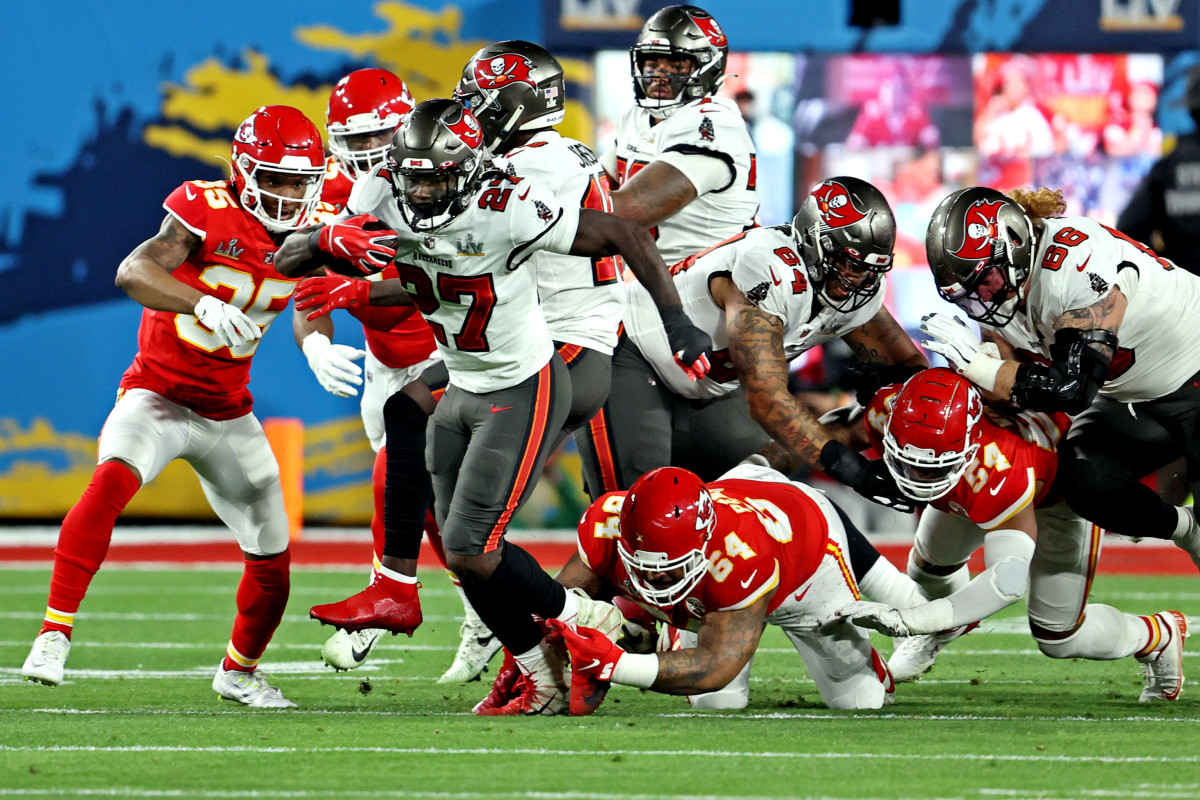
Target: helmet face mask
(365, 108)
(667, 520)
(980, 250)
(673, 34)
(278, 167)
(845, 232)
(436, 163)
(932, 435)
(512, 86)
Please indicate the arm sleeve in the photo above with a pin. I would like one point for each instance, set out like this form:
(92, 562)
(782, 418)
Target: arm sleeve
(703, 142)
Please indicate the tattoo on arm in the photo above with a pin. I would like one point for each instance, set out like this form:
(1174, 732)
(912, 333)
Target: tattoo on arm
(756, 348)
(881, 340)
(727, 641)
(171, 246)
(1103, 315)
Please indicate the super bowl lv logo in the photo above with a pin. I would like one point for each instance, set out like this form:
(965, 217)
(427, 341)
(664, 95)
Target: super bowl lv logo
(502, 70)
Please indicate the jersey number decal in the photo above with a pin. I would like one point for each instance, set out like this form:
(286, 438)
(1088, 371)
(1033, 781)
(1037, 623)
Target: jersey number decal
(255, 304)
(1055, 254)
(609, 269)
(495, 199)
(472, 337)
(1162, 261)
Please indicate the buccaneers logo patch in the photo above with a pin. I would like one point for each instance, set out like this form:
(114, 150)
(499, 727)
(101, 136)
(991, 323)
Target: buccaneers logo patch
(711, 30)
(759, 293)
(543, 211)
(834, 203)
(980, 226)
(467, 128)
(503, 70)
(1099, 285)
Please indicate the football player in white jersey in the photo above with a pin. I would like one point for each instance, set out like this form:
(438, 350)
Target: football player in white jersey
(1088, 322)
(462, 234)
(765, 297)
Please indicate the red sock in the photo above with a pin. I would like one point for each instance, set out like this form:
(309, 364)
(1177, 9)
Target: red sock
(378, 479)
(434, 534)
(83, 541)
(262, 596)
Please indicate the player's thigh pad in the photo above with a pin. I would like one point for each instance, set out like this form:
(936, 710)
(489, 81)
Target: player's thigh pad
(240, 478)
(146, 431)
(711, 436)
(511, 433)
(1064, 561)
(381, 382)
(945, 539)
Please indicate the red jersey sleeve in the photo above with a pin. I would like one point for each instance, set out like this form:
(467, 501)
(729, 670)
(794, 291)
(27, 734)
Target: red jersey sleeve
(876, 417)
(192, 200)
(336, 189)
(599, 530)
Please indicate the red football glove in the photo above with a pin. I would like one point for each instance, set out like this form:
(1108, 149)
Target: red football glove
(351, 240)
(593, 654)
(331, 291)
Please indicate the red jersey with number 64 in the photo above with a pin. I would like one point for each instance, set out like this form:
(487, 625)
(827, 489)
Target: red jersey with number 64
(770, 537)
(178, 357)
(1015, 453)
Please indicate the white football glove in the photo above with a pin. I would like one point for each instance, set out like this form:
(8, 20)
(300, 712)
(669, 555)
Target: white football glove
(978, 363)
(876, 616)
(604, 617)
(230, 325)
(333, 364)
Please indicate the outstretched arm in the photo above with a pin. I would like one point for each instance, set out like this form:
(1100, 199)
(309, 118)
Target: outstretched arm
(655, 194)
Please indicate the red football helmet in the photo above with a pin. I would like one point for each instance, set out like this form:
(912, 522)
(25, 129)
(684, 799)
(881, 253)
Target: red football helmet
(667, 520)
(278, 139)
(365, 103)
(932, 434)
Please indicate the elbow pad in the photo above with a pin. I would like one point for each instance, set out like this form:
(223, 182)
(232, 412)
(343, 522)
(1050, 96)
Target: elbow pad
(1078, 366)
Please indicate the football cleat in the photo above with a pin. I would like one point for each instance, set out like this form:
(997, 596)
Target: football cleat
(349, 649)
(1189, 540)
(531, 700)
(476, 647)
(914, 655)
(392, 605)
(1162, 669)
(504, 687)
(248, 688)
(47, 658)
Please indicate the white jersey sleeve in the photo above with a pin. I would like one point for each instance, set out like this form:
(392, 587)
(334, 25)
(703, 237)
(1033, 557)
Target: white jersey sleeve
(538, 222)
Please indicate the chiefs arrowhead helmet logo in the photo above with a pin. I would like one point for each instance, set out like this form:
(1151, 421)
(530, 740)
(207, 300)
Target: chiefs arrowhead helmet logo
(706, 514)
(467, 128)
(502, 70)
(980, 229)
(836, 207)
(711, 30)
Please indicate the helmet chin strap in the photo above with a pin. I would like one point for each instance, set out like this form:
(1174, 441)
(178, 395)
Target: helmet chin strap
(507, 129)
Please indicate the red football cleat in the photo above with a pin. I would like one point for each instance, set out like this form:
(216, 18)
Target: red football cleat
(532, 700)
(504, 688)
(388, 604)
(586, 694)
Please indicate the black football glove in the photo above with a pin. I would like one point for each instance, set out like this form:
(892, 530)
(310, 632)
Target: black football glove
(868, 477)
(867, 379)
(689, 344)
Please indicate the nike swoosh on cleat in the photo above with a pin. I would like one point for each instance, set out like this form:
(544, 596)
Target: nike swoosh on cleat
(359, 655)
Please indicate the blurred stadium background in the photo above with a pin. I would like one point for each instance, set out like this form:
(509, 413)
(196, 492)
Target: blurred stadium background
(126, 100)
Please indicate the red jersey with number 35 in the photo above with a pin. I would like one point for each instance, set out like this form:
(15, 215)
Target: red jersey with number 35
(770, 537)
(1015, 453)
(397, 335)
(178, 357)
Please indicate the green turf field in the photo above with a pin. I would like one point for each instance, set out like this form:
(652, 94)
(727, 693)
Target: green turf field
(137, 717)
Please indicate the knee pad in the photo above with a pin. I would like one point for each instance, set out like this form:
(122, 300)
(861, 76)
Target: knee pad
(1010, 578)
(1059, 648)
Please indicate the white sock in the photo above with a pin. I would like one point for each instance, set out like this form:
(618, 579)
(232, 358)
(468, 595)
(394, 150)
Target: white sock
(570, 609)
(469, 612)
(532, 660)
(391, 574)
(1186, 527)
(1106, 634)
(937, 585)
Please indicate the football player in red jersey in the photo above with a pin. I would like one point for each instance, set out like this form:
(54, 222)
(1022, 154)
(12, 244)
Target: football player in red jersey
(721, 559)
(209, 289)
(988, 477)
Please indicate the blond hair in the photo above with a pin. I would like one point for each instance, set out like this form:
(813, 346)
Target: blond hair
(1040, 203)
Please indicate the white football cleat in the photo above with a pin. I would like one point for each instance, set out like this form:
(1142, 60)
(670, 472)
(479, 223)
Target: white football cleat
(248, 688)
(1162, 670)
(914, 655)
(476, 648)
(349, 649)
(47, 658)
